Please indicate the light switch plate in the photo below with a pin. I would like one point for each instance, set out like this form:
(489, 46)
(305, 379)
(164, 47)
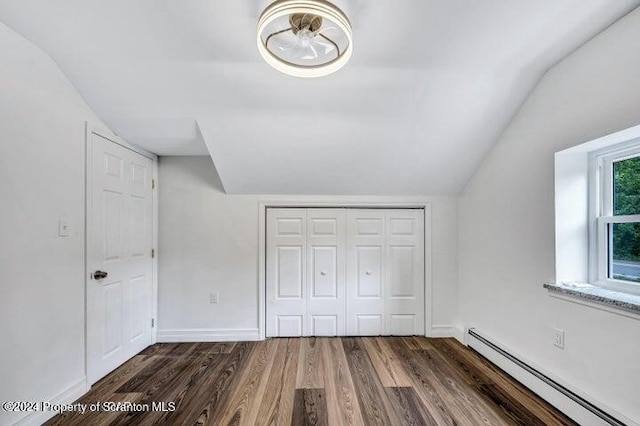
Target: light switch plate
(63, 228)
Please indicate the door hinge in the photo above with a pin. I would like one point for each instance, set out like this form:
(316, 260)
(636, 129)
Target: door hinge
(153, 322)
(153, 184)
(153, 253)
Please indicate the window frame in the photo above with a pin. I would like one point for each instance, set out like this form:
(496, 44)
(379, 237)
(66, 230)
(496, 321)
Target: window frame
(601, 214)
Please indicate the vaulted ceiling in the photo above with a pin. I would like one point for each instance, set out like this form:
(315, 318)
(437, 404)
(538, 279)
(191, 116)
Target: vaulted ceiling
(430, 87)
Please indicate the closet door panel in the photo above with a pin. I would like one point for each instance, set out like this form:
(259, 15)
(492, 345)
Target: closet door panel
(326, 272)
(401, 271)
(286, 272)
(289, 266)
(369, 270)
(404, 300)
(365, 272)
(325, 325)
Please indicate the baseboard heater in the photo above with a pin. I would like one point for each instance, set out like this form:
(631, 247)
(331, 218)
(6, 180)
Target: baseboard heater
(573, 405)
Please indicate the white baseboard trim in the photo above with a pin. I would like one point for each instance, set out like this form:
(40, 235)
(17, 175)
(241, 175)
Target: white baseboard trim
(447, 331)
(208, 335)
(570, 401)
(68, 396)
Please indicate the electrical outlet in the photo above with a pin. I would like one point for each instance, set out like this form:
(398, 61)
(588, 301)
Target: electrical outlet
(214, 297)
(558, 338)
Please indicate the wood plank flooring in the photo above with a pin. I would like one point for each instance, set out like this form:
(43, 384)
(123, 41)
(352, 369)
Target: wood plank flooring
(315, 381)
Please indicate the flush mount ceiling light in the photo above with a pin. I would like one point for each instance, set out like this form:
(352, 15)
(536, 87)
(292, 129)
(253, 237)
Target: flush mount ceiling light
(305, 38)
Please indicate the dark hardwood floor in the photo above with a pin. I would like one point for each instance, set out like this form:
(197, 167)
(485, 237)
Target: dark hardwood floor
(314, 381)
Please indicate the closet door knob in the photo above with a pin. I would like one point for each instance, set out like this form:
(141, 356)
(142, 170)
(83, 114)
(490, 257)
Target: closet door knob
(368, 272)
(98, 275)
(323, 273)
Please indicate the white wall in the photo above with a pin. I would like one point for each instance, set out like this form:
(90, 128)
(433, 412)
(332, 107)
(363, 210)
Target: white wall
(42, 121)
(506, 224)
(209, 242)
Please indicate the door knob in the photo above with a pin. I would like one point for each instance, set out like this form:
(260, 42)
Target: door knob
(368, 272)
(323, 273)
(98, 275)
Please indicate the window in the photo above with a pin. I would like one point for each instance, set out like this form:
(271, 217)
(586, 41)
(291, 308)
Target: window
(597, 220)
(616, 226)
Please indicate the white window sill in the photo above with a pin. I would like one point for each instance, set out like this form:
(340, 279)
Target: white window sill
(598, 297)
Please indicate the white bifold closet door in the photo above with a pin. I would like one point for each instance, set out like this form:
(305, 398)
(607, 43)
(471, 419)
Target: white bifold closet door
(336, 272)
(305, 272)
(385, 272)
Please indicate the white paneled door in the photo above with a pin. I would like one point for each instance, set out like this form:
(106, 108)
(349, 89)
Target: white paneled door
(385, 272)
(286, 272)
(404, 273)
(119, 259)
(366, 272)
(325, 272)
(305, 272)
(336, 272)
